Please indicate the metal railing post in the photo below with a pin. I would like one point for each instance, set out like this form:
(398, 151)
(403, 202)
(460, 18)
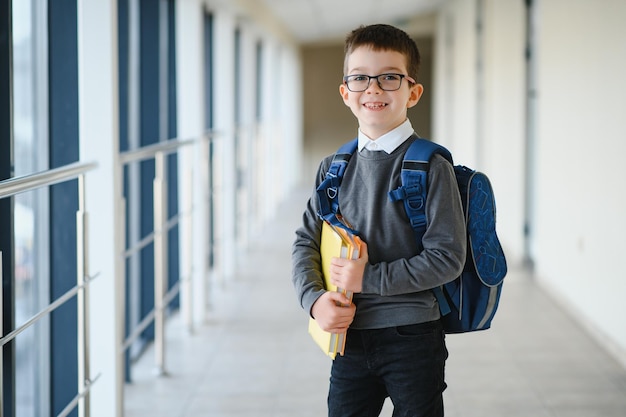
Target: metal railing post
(207, 192)
(160, 258)
(82, 298)
(120, 309)
(1, 335)
(188, 254)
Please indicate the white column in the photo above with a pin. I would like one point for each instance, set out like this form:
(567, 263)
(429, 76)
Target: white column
(247, 127)
(224, 116)
(190, 122)
(99, 141)
(292, 117)
(271, 95)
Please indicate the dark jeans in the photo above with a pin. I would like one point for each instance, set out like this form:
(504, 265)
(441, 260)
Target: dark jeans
(404, 363)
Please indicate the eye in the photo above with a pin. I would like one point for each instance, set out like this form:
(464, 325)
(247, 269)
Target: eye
(390, 77)
(359, 78)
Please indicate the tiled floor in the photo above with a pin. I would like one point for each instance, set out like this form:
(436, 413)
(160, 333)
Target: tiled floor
(254, 357)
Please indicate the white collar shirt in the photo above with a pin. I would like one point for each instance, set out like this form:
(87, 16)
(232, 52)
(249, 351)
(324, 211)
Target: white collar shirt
(387, 142)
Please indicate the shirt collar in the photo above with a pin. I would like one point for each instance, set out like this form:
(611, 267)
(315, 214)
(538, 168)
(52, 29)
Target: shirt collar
(389, 141)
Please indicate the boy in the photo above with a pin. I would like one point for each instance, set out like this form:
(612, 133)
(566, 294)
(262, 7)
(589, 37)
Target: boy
(395, 342)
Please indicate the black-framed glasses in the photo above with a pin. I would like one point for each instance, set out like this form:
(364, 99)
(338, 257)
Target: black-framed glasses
(387, 82)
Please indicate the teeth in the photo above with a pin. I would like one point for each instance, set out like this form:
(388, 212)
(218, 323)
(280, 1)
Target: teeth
(375, 105)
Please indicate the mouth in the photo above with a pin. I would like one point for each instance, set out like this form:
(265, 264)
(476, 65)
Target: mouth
(375, 105)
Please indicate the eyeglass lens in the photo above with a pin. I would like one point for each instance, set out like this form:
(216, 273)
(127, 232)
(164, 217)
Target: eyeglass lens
(387, 82)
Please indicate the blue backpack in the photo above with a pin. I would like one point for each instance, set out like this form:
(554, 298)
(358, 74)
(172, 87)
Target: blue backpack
(468, 303)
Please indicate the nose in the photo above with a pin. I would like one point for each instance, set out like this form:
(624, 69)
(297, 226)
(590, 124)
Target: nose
(376, 89)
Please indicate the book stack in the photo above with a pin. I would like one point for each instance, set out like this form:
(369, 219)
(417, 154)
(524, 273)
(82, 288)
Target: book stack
(336, 242)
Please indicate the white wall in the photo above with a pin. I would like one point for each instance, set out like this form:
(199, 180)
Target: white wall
(455, 81)
(484, 126)
(579, 203)
(504, 117)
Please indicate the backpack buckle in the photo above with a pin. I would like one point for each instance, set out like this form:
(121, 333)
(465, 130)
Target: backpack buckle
(418, 222)
(415, 203)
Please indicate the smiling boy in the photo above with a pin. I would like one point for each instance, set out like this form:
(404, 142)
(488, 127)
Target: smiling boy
(395, 342)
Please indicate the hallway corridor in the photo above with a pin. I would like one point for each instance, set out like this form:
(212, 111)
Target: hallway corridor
(254, 356)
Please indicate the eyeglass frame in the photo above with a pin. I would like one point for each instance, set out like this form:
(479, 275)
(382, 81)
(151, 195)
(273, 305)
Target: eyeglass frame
(370, 77)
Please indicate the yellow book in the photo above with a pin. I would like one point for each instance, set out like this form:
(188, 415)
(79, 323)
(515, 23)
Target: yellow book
(335, 243)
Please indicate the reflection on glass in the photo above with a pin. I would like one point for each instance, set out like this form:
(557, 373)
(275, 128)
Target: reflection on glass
(30, 287)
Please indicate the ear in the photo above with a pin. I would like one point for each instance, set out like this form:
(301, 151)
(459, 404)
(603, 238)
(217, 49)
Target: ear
(415, 93)
(343, 91)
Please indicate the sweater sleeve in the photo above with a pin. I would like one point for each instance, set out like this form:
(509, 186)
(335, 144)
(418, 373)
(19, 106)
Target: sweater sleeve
(306, 259)
(444, 242)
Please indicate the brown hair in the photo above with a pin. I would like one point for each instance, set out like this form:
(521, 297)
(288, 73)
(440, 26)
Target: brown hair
(386, 38)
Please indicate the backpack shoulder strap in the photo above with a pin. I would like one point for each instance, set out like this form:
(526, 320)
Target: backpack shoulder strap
(414, 177)
(328, 190)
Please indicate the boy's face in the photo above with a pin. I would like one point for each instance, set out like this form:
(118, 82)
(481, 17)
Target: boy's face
(379, 111)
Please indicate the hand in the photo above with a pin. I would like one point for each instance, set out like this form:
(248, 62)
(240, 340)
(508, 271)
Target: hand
(348, 273)
(333, 311)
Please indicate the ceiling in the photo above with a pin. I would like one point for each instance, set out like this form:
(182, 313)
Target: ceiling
(311, 21)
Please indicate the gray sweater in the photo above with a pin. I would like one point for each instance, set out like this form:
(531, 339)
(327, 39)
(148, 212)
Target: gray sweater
(398, 279)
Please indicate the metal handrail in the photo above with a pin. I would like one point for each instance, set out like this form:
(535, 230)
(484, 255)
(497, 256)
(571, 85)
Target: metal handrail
(150, 151)
(147, 239)
(13, 186)
(163, 297)
(78, 397)
(162, 224)
(49, 309)
(149, 318)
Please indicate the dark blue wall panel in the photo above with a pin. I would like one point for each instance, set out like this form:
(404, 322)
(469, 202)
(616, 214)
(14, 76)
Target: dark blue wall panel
(63, 119)
(6, 210)
(149, 122)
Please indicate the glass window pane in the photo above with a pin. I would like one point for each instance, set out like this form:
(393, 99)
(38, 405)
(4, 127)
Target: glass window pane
(31, 284)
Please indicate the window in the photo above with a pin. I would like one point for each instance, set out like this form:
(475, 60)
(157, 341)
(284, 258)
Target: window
(30, 224)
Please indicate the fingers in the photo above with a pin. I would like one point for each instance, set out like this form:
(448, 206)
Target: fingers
(329, 313)
(347, 274)
(338, 329)
(338, 323)
(339, 298)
